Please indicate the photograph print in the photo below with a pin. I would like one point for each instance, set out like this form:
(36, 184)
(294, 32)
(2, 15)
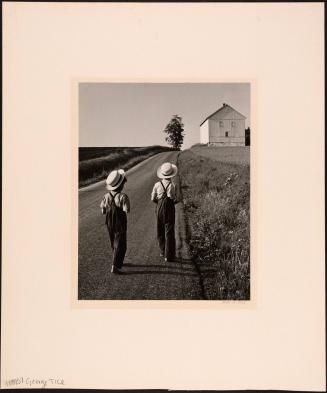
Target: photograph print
(164, 191)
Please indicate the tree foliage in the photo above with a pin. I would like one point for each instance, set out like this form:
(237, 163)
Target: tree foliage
(175, 132)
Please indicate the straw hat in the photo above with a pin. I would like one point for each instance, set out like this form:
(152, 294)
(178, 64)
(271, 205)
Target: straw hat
(167, 170)
(115, 179)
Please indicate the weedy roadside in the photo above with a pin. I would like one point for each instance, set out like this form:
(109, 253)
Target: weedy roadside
(216, 198)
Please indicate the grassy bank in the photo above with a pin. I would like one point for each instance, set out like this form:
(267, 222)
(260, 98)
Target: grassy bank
(216, 201)
(96, 162)
(231, 154)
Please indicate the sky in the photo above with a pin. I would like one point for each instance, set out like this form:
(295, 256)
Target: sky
(135, 114)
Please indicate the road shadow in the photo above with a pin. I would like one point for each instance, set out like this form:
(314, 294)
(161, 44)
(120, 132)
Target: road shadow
(177, 267)
(164, 266)
(168, 268)
(183, 261)
(164, 272)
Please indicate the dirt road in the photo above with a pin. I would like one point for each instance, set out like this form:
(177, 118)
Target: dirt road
(145, 274)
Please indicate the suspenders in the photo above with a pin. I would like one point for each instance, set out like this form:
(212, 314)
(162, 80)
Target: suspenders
(165, 189)
(112, 200)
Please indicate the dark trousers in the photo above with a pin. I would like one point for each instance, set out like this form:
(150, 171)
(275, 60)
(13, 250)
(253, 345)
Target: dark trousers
(118, 243)
(166, 230)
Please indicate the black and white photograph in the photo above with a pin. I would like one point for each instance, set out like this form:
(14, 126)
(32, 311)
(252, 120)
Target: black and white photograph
(164, 191)
(163, 199)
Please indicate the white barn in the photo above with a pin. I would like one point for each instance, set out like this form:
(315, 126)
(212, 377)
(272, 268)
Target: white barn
(225, 127)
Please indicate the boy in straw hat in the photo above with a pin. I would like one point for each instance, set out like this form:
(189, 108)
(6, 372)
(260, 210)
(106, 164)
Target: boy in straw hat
(116, 205)
(164, 194)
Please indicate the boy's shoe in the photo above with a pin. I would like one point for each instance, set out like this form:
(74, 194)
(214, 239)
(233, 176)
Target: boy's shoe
(115, 270)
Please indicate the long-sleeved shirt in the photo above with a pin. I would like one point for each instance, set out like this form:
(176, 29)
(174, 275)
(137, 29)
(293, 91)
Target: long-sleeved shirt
(121, 200)
(171, 189)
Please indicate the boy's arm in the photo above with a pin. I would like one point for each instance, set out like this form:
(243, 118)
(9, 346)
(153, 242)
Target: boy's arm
(103, 205)
(154, 196)
(126, 204)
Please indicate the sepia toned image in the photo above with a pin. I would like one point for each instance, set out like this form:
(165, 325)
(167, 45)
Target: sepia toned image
(164, 191)
(167, 160)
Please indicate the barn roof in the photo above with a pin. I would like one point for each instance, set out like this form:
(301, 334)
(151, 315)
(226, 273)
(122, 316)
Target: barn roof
(225, 113)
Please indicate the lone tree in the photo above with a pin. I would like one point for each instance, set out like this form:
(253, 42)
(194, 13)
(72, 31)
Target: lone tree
(175, 131)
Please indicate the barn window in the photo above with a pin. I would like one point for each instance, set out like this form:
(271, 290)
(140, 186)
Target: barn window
(233, 124)
(221, 124)
(226, 133)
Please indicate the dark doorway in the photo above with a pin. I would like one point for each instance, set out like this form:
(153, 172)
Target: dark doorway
(247, 136)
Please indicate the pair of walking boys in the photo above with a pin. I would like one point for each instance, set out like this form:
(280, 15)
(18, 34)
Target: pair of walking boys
(115, 205)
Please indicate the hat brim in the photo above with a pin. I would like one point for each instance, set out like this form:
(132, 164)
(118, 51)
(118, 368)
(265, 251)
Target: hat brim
(122, 173)
(174, 173)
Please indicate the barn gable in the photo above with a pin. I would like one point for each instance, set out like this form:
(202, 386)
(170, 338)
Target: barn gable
(226, 112)
(225, 127)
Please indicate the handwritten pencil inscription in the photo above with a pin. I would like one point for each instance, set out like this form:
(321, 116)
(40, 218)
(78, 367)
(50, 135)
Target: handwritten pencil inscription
(34, 382)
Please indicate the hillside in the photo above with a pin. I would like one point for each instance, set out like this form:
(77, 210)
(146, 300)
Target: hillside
(228, 154)
(96, 162)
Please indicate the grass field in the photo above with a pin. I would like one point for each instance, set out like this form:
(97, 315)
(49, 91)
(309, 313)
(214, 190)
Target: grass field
(96, 162)
(88, 153)
(216, 200)
(230, 154)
